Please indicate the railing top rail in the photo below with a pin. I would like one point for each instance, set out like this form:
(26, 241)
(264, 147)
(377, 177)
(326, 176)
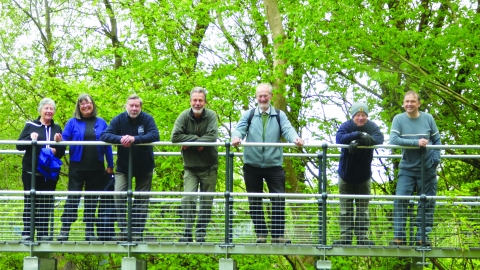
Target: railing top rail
(245, 144)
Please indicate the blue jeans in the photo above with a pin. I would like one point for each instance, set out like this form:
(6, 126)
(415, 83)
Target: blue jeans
(407, 181)
(275, 178)
(140, 203)
(205, 179)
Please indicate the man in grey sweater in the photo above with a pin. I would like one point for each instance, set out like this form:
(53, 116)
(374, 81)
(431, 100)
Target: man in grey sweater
(415, 128)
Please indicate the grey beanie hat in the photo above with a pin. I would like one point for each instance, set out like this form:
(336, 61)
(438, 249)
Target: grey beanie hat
(359, 107)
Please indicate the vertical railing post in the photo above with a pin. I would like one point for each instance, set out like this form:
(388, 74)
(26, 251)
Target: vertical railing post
(324, 194)
(228, 189)
(319, 200)
(411, 216)
(130, 194)
(33, 190)
(423, 197)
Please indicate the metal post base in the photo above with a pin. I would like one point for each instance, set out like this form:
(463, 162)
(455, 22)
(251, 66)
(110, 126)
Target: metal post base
(130, 263)
(227, 264)
(36, 263)
(321, 265)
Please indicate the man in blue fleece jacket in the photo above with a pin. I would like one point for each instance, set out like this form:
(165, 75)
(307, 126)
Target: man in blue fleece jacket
(355, 172)
(265, 162)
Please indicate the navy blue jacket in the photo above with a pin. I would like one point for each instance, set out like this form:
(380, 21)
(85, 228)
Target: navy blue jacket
(356, 168)
(144, 129)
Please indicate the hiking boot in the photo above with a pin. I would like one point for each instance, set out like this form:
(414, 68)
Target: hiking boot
(200, 240)
(26, 238)
(261, 239)
(281, 240)
(397, 242)
(427, 243)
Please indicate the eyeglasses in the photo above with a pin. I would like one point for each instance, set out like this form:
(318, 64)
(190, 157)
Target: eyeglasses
(85, 104)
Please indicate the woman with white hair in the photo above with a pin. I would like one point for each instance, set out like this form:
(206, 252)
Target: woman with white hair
(41, 129)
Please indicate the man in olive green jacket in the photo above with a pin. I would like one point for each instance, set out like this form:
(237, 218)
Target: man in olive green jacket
(197, 124)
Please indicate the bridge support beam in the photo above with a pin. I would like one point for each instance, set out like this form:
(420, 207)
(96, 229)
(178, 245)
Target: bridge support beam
(131, 263)
(36, 263)
(227, 264)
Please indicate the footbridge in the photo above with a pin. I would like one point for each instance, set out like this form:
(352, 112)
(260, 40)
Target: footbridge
(312, 220)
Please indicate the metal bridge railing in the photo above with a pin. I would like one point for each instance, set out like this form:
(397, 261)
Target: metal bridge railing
(456, 223)
(312, 220)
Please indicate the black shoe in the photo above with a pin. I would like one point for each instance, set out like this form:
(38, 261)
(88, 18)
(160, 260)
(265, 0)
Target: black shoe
(90, 237)
(200, 240)
(342, 242)
(62, 237)
(105, 239)
(185, 240)
(281, 240)
(121, 237)
(397, 242)
(365, 242)
(44, 238)
(137, 237)
(64, 232)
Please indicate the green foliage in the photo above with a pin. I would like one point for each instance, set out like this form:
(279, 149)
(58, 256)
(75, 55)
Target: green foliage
(335, 53)
(12, 261)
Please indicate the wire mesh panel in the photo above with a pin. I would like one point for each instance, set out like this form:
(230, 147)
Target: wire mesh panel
(11, 222)
(456, 221)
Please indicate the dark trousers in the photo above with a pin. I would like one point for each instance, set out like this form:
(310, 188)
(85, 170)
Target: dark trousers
(275, 179)
(140, 204)
(43, 204)
(78, 179)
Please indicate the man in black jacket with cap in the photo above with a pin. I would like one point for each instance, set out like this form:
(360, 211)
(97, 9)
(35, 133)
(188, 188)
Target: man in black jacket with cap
(355, 172)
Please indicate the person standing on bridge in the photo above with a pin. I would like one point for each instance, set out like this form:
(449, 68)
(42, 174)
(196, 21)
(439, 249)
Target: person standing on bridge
(197, 124)
(41, 129)
(265, 124)
(355, 172)
(415, 128)
(87, 165)
(128, 129)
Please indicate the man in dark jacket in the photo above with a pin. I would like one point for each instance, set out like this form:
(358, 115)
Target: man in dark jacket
(130, 128)
(355, 172)
(197, 124)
